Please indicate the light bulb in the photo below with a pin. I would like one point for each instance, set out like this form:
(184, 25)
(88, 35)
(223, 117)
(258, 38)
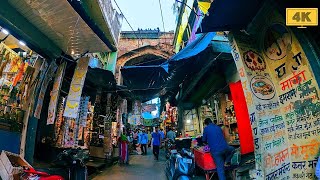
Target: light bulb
(22, 43)
(6, 32)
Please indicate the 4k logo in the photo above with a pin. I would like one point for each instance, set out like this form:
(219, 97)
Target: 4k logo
(302, 17)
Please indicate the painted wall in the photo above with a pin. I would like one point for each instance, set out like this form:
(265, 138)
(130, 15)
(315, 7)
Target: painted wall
(282, 97)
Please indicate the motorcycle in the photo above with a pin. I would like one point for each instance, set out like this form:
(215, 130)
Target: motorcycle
(170, 145)
(70, 165)
(180, 166)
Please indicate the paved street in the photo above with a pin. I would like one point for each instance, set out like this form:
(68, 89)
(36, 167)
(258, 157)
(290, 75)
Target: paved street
(140, 168)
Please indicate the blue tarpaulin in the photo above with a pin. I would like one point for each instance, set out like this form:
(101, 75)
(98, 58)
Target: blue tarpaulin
(194, 47)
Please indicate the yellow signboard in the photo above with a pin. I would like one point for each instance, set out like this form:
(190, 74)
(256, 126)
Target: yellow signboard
(302, 17)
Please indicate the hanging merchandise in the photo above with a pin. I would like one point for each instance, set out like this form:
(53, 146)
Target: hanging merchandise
(73, 100)
(55, 94)
(59, 124)
(52, 68)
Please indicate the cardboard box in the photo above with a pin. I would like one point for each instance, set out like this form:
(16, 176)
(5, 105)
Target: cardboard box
(13, 163)
(4, 174)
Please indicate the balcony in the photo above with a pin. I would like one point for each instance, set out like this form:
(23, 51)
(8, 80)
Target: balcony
(112, 18)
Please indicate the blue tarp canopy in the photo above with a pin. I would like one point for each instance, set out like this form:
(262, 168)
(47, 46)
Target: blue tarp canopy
(226, 15)
(149, 80)
(190, 59)
(194, 47)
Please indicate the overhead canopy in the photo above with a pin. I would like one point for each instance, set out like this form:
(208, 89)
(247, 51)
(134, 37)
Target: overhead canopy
(61, 24)
(194, 47)
(100, 78)
(226, 15)
(144, 77)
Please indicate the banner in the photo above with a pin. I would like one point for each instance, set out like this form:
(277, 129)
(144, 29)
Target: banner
(47, 78)
(55, 94)
(73, 100)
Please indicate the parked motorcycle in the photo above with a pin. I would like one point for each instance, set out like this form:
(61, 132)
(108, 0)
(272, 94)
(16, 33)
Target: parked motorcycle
(180, 166)
(70, 165)
(170, 145)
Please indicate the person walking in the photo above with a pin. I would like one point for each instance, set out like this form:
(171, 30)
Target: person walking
(156, 137)
(123, 148)
(135, 139)
(143, 141)
(219, 147)
(170, 134)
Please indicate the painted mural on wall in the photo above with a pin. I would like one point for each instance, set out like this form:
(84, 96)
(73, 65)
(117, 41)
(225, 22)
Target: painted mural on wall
(282, 100)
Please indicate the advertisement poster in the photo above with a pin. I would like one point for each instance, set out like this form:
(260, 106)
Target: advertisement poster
(55, 94)
(49, 75)
(73, 100)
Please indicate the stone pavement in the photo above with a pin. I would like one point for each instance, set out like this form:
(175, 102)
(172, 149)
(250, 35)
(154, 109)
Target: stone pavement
(139, 168)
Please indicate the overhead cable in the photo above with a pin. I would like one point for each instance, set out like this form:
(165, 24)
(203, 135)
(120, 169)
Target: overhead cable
(128, 23)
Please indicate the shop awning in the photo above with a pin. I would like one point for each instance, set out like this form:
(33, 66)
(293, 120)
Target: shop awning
(194, 47)
(226, 15)
(144, 77)
(100, 78)
(59, 21)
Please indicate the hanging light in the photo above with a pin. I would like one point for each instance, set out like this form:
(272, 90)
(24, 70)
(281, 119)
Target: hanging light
(4, 31)
(22, 43)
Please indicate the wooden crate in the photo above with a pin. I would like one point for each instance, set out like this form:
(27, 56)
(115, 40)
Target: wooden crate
(8, 160)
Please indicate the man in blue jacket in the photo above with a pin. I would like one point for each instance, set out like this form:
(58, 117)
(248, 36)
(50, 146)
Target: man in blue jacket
(143, 140)
(219, 148)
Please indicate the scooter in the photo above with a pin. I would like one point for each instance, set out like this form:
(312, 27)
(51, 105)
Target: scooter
(170, 145)
(180, 166)
(71, 166)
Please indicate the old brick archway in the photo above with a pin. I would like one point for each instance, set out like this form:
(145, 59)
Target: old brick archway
(145, 55)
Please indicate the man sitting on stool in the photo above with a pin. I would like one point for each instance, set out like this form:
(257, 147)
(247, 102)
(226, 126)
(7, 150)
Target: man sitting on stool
(219, 148)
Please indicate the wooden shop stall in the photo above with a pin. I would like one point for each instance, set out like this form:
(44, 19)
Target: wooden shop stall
(19, 77)
(82, 111)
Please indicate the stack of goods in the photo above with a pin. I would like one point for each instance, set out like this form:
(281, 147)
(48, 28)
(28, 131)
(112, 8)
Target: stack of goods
(15, 75)
(59, 124)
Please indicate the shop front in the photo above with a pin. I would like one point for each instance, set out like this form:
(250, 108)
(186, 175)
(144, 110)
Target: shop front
(19, 71)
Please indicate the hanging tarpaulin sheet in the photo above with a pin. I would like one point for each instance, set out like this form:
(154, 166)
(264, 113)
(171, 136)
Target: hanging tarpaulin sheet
(150, 111)
(55, 93)
(73, 100)
(50, 73)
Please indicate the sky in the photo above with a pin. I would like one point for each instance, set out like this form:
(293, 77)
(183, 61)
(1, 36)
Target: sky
(146, 14)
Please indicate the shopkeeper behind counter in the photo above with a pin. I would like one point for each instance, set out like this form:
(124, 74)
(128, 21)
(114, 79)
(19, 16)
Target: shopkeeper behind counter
(219, 147)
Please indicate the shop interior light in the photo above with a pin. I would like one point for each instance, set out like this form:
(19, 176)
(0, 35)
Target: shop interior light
(72, 52)
(188, 121)
(22, 43)
(4, 31)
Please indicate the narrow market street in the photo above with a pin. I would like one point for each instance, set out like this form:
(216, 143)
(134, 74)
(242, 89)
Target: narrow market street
(140, 167)
(216, 89)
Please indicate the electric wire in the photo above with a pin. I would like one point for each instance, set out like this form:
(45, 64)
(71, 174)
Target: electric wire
(128, 23)
(164, 30)
(190, 8)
